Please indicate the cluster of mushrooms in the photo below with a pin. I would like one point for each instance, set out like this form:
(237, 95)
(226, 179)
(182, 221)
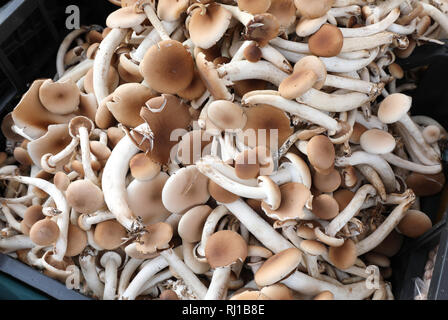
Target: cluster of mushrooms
(249, 149)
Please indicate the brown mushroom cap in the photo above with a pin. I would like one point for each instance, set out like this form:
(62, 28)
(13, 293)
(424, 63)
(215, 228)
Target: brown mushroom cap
(327, 182)
(278, 267)
(167, 67)
(185, 189)
(99, 150)
(425, 184)
(324, 295)
(114, 135)
(157, 237)
(390, 245)
(313, 247)
(294, 197)
(224, 248)
(306, 231)
(284, 11)
(61, 181)
(195, 89)
(125, 17)
(32, 215)
(313, 9)
(377, 259)
(211, 79)
(22, 156)
(414, 224)
(44, 232)
(128, 70)
(249, 294)
(207, 26)
(262, 29)
(59, 97)
(192, 222)
(171, 10)
(254, 6)
(326, 42)
(358, 130)
(297, 84)
(143, 167)
(76, 241)
(343, 257)
(226, 115)
(127, 101)
(109, 234)
(84, 196)
(316, 65)
(377, 141)
(277, 291)
(325, 207)
(220, 194)
(343, 198)
(393, 107)
(168, 294)
(246, 164)
(163, 115)
(244, 86)
(321, 153)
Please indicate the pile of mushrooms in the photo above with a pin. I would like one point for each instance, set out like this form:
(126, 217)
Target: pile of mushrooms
(225, 150)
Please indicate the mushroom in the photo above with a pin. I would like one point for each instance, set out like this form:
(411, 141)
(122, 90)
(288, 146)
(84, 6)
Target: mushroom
(110, 261)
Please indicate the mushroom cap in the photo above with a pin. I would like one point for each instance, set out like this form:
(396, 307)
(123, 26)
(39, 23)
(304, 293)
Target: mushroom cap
(393, 107)
(128, 70)
(84, 196)
(313, 247)
(195, 89)
(44, 232)
(7, 123)
(185, 189)
(226, 115)
(306, 232)
(109, 234)
(99, 150)
(358, 130)
(225, 248)
(377, 141)
(59, 97)
(192, 146)
(208, 26)
(265, 117)
(425, 185)
(32, 215)
(192, 222)
(171, 10)
(343, 198)
(390, 245)
(431, 133)
(61, 181)
(320, 152)
(244, 86)
(164, 115)
(377, 259)
(246, 164)
(127, 101)
(80, 122)
(76, 241)
(54, 141)
(327, 182)
(293, 198)
(22, 156)
(326, 42)
(297, 84)
(114, 135)
(277, 291)
(254, 6)
(211, 79)
(325, 207)
(145, 199)
(343, 257)
(278, 267)
(262, 29)
(313, 9)
(124, 18)
(168, 294)
(167, 67)
(220, 194)
(324, 295)
(157, 237)
(284, 11)
(414, 224)
(143, 167)
(316, 65)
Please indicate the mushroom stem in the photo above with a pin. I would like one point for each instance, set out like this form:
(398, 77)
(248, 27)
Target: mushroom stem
(84, 142)
(110, 261)
(411, 166)
(243, 70)
(102, 62)
(372, 176)
(350, 210)
(376, 162)
(85, 221)
(370, 42)
(88, 269)
(195, 264)
(155, 21)
(159, 277)
(14, 243)
(218, 286)
(241, 16)
(372, 28)
(334, 102)
(63, 47)
(436, 14)
(53, 160)
(375, 238)
(78, 71)
(209, 227)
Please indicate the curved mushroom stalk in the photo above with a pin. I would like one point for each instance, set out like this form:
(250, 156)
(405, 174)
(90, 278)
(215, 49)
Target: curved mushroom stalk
(411, 166)
(85, 221)
(110, 262)
(50, 161)
(14, 243)
(296, 170)
(88, 268)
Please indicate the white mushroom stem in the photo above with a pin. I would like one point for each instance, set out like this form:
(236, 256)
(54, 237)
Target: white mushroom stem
(114, 180)
(61, 204)
(151, 283)
(32, 257)
(14, 243)
(23, 199)
(155, 22)
(333, 102)
(102, 62)
(372, 28)
(97, 217)
(374, 13)
(293, 46)
(369, 42)
(293, 172)
(241, 16)
(376, 162)
(197, 265)
(370, 123)
(303, 111)
(307, 285)
(350, 210)
(84, 142)
(412, 166)
(312, 266)
(372, 176)
(256, 225)
(88, 269)
(54, 270)
(209, 227)
(361, 54)
(436, 14)
(403, 30)
(346, 11)
(63, 47)
(265, 190)
(243, 70)
(111, 265)
(78, 71)
(69, 149)
(218, 286)
(392, 220)
(10, 219)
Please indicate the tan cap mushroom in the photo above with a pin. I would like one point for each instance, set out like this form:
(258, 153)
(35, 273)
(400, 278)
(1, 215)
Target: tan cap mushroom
(297, 84)
(76, 241)
(224, 248)
(143, 167)
(168, 294)
(277, 291)
(128, 70)
(284, 11)
(343, 257)
(193, 146)
(425, 184)
(244, 86)
(109, 234)
(22, 156)
(316, 65)
(195, 89)
(327, 182)
(60, 97)
(171, 10)
(220, 194)
(343, 198)
(125, 17)
(313, 9)
(393, 107)
(324, 295)
(84, 196)
(208, 24)
(390, 245)
(358, 130)
(377, 141)
(325, 207)
(61, 180)
(157, 237)
(167, 67)
(44, 232)
(113, 80)
(32, 215)
(246, 164)
(254, 6)
(6, 127)
(211, 79)
(326, 42)
(321, 154)
(226, 115)
(313, 247)
(192, 222)
(414, 224)
(278, 267)
(262, 29)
